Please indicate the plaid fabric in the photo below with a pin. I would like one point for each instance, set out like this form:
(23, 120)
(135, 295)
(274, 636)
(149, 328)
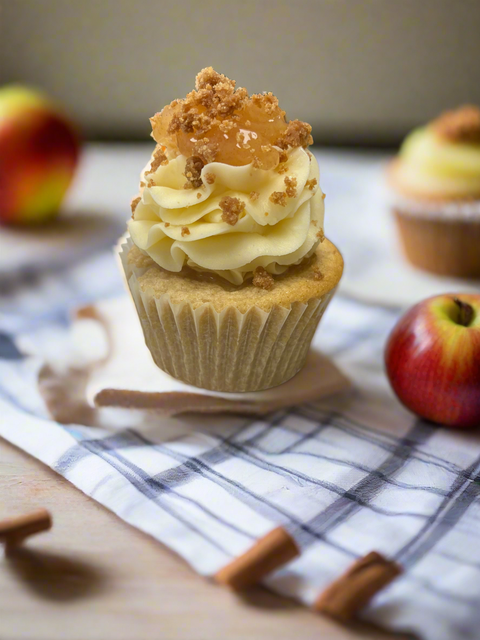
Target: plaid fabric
(351, 474)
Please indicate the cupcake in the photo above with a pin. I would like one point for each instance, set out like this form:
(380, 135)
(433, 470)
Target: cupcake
(226, 257)
(436, 184)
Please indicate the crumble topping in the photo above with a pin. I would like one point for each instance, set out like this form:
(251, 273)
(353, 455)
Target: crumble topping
(150, 184)
(279, 197)
(266, 101)
(311, 184)
(193, 170)
(291, 186)
(320, 235)
(206, 150)
(218, 121)
(262, 279)
(208, 78)
(231, 209)
(254, 195)
(158, 158)
(460, 125)
(185, 231)
(210, 178)
(297, 134)
(134, 203)
(282, 168)
(166, 224)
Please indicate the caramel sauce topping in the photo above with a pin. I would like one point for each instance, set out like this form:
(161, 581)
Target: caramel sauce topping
(218, 122)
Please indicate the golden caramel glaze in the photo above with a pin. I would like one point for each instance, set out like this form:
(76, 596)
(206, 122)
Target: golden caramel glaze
(219, 122)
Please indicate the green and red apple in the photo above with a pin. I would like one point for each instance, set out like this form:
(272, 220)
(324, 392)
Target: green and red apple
(39, 150)
(432, 359)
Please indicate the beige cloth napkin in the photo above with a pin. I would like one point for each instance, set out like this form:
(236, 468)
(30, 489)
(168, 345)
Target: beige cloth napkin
(108, 365)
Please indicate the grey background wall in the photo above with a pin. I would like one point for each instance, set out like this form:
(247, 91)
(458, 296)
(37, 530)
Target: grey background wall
(360, 71)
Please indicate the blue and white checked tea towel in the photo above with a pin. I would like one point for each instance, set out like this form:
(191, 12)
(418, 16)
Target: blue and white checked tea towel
(347, 475)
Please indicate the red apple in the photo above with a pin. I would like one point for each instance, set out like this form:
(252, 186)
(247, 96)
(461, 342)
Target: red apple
(432, 359)
(39, 151)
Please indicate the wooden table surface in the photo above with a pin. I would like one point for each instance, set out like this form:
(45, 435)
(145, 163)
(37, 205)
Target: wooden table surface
(95, 577)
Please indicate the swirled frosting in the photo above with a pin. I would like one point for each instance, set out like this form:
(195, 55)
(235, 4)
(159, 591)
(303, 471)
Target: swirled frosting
(279, 221)
(442, 159)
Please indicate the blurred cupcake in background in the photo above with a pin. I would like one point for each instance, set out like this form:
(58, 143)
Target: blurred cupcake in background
(436, 183)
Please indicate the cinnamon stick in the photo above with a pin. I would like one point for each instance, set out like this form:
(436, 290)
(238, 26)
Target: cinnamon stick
(354, 589)
(14, 530)
(267, 554)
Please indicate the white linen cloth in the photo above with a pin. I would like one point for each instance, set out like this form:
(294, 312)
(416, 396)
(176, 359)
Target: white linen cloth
(351, 473)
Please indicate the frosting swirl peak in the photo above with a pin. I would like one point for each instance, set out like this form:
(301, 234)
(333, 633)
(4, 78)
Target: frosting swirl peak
(270, 223)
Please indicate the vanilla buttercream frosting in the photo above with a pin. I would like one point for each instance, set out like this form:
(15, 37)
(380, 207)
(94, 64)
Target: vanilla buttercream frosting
(280, 222)
(442, 159)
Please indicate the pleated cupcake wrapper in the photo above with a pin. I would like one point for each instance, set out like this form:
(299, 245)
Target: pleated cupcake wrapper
(226, 350)
(444, 246)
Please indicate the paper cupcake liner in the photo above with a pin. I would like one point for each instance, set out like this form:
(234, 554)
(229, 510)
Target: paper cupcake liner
(445, 246)
(226, 350)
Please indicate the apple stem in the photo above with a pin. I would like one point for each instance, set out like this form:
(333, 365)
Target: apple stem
(466, 312)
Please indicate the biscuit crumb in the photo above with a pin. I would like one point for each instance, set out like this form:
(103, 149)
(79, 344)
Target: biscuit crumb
(150, 184)
(208, 77)
(320, 235)
(158, 158)
(324, 195)
(311, 184)
(297, 134)
(459, 125)
(206, 150)
(279, 197)
(199, 195)
(231, 209)
(266, 213)
(185, 231)
(134, 203)
(291, 186)
(210, 178)
(254, 195)
(193, 171)
(281, 168)
(166, 224)
(262, 279)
